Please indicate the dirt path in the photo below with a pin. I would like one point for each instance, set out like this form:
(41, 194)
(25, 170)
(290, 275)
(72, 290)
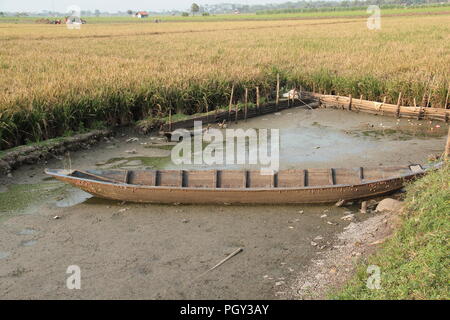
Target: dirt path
(159, 252)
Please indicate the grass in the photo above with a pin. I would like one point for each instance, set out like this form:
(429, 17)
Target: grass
(56, 80)
(415, 262)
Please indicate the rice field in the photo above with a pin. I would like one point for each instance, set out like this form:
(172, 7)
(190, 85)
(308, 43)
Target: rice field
(55, 80)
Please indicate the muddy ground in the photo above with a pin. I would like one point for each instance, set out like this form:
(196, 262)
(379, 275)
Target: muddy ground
(164, 251)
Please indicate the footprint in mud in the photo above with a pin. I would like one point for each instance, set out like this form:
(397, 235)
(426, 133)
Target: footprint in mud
(28, 243)
(27, 232)
(4, 255)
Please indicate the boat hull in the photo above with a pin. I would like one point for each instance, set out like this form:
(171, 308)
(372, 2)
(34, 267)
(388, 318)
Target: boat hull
(301, 195)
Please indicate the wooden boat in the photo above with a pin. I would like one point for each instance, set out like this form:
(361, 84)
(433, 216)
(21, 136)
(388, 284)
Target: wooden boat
(234, 186)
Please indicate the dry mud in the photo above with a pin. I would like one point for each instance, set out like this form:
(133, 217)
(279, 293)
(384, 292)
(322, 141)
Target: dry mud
(163, 251)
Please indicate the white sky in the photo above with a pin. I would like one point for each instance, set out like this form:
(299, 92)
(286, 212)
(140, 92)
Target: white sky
(114, 5)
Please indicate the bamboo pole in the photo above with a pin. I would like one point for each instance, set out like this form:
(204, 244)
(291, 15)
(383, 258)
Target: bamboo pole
(207, 108)
(170, 119)
(236, 111)
(399, 102)
(257, 99)
(231, 103)
(278, 89)
(446, 99)
(246, 104)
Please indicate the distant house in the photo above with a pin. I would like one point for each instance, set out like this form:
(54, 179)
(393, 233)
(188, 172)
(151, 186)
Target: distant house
(141, 14)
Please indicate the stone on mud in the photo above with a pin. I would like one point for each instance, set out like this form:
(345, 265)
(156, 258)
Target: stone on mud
(389, 204)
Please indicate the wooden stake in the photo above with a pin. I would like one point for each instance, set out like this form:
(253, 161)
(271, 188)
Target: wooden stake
(231, 103)
(257, 99)
(207, 108)
(246, 104)
(278, 90)
(350, 102)
(170, 119)
(446, 99)
(399, 101)
(425, 91)
(236, 113)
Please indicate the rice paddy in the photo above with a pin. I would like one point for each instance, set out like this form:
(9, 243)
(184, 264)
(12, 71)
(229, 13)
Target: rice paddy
(55, 80)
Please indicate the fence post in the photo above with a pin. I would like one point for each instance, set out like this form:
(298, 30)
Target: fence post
(231, 103)
(246, 104)
(257, 99)
(278, 89)
(399, 102)
(170, 119)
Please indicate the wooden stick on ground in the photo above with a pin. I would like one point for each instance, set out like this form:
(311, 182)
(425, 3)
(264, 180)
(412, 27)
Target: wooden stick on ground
(231, 255)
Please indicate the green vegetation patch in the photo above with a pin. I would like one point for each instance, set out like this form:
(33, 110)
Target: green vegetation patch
(415, 262)
(19, 197)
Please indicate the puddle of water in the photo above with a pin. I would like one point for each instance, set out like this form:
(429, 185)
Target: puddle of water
(4, 255)
(72, 198)
(137, 161)
(27, 232)
(28, 243)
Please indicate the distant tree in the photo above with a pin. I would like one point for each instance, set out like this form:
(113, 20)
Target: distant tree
(205, 14)
(185, 14)
(97, 12)
(2, 14)
(130, 12)
(195, 8)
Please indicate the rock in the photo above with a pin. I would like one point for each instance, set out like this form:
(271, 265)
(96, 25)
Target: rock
(348, 217)
(133, 151)
(340, 203)
(390, 205)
